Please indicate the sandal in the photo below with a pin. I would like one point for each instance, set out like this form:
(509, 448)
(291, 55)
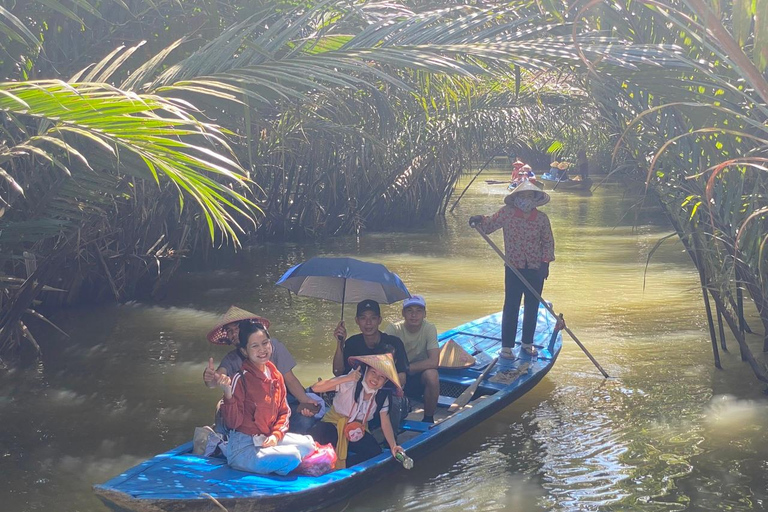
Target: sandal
(530, 350)
(506, 353)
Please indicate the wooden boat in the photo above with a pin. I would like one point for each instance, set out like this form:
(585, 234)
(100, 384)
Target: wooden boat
(567, 184)
(513, 184)
(178, 480)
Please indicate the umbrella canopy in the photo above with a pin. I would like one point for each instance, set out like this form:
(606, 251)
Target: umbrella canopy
(344, 280)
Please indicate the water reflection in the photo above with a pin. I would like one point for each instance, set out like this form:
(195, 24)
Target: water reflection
(661, 435)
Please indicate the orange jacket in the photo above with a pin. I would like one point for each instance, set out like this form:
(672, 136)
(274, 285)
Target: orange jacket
(258, 404)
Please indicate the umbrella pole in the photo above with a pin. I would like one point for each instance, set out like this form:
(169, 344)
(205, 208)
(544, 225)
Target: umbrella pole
(343, 296)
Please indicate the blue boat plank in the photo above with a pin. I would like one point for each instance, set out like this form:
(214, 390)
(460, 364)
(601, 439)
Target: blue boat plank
(178, 480)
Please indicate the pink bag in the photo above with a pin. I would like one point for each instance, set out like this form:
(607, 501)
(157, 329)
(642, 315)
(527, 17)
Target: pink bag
(319, 462)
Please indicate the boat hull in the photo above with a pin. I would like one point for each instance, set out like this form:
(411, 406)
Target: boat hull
(550, 182)
(180, 481)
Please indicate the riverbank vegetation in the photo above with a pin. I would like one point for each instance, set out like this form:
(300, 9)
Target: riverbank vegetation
(698, 141)
(137, 133)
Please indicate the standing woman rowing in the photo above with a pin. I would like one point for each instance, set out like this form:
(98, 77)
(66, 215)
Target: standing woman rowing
(529, 246)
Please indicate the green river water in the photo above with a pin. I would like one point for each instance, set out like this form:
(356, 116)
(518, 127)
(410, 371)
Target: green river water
(669, 432)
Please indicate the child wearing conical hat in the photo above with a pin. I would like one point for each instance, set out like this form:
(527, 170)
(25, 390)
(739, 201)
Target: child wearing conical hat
(359, 397)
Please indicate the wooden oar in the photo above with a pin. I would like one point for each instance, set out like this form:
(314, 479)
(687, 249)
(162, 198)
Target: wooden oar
(542, 301)
(468, 393)
(559, 178)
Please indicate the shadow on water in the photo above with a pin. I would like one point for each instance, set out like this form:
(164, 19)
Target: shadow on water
(668, 433)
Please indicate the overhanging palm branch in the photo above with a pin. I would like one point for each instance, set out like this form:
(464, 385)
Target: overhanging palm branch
(268, 60)
(143, 135)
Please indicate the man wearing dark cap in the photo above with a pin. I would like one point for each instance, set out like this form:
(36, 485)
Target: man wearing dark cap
(368, 342)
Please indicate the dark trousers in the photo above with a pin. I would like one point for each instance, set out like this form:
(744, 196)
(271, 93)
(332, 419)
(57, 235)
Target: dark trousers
(357, 452)
(513, 293)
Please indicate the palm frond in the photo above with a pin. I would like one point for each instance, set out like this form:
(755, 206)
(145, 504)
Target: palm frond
(169, 141)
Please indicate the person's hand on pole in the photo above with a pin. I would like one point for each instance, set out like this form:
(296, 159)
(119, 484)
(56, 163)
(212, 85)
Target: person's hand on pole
(340, 333)
(475, 220)
(560, 325)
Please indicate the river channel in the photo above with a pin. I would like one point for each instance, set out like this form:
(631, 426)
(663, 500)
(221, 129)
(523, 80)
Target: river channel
(668, 432)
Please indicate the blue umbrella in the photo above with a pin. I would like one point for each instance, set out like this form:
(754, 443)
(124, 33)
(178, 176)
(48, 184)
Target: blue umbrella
(344, 280)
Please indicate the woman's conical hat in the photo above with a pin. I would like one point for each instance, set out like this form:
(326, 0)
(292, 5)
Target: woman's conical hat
(563, 165)
(554, 163)
(218, 334)
(453, 355)
(382, 363)
(542, 197)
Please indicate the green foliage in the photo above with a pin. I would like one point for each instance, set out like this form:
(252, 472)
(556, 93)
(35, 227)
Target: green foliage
(349, 115)
(699, 138)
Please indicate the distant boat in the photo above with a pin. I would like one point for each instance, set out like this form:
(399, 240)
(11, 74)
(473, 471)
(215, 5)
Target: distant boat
(180, 481)
(532, 178)
(575, 183)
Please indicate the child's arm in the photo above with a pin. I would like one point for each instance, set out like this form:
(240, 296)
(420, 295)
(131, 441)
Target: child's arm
(389, 433)
(331, 384)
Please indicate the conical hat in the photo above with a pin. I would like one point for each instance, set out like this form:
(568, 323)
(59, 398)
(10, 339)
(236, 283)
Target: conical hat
(218, 334)
(542, 197)
(563, 165)
(453, 355)
(383, 363)
(554, 163)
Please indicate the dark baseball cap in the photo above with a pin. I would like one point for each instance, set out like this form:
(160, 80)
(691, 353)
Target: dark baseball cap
(368, 305)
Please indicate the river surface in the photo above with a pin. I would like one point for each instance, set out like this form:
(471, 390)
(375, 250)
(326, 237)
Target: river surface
(668, 432)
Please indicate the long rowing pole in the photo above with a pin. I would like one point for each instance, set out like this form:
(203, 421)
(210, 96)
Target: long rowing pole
(542, 301)
(559, 178)
(472, 181)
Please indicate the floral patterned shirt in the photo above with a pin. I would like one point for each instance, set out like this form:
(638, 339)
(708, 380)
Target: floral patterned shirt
(528, 239)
